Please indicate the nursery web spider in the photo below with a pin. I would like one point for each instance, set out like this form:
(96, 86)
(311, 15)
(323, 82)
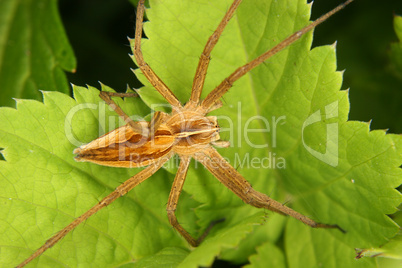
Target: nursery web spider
(186, 131)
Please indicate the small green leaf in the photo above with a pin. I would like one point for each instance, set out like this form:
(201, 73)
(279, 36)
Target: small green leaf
(204, 254)
(393, 249)
(268, 256)
(34, 50)
(396, 48)
(398, 26)
(389, 253)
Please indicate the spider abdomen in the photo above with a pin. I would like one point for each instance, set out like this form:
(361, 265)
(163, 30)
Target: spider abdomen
(124, 147)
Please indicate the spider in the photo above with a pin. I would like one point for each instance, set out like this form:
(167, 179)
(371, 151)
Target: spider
(187, 131)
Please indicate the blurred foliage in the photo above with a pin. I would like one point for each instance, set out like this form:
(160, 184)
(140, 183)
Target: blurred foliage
(34, 50)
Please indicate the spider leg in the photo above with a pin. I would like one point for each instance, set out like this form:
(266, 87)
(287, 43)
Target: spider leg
(218, 104)
(107, 97)
(157, 119)
(174, 198)
(203, 63)
(227, 83)
(233, 180)
(221, 144)
(156, 82)
(120, 191)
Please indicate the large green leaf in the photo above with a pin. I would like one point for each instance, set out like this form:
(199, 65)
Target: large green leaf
(34, 50)
(43, 188)
(294, 84)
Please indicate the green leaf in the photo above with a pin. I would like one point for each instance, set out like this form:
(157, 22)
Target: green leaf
(389, 254)
(396, 48)
(43, 188)
(167, 257)
(268, 256)
(393, 249)
(295, 84)
(204, 255)
(34, 50)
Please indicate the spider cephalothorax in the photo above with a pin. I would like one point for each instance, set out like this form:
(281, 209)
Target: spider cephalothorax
(192, 131)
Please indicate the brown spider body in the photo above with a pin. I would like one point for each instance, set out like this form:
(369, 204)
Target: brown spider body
(123, 147)
(184, 132)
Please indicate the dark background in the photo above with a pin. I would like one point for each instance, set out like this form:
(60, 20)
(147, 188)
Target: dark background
(98, 31)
